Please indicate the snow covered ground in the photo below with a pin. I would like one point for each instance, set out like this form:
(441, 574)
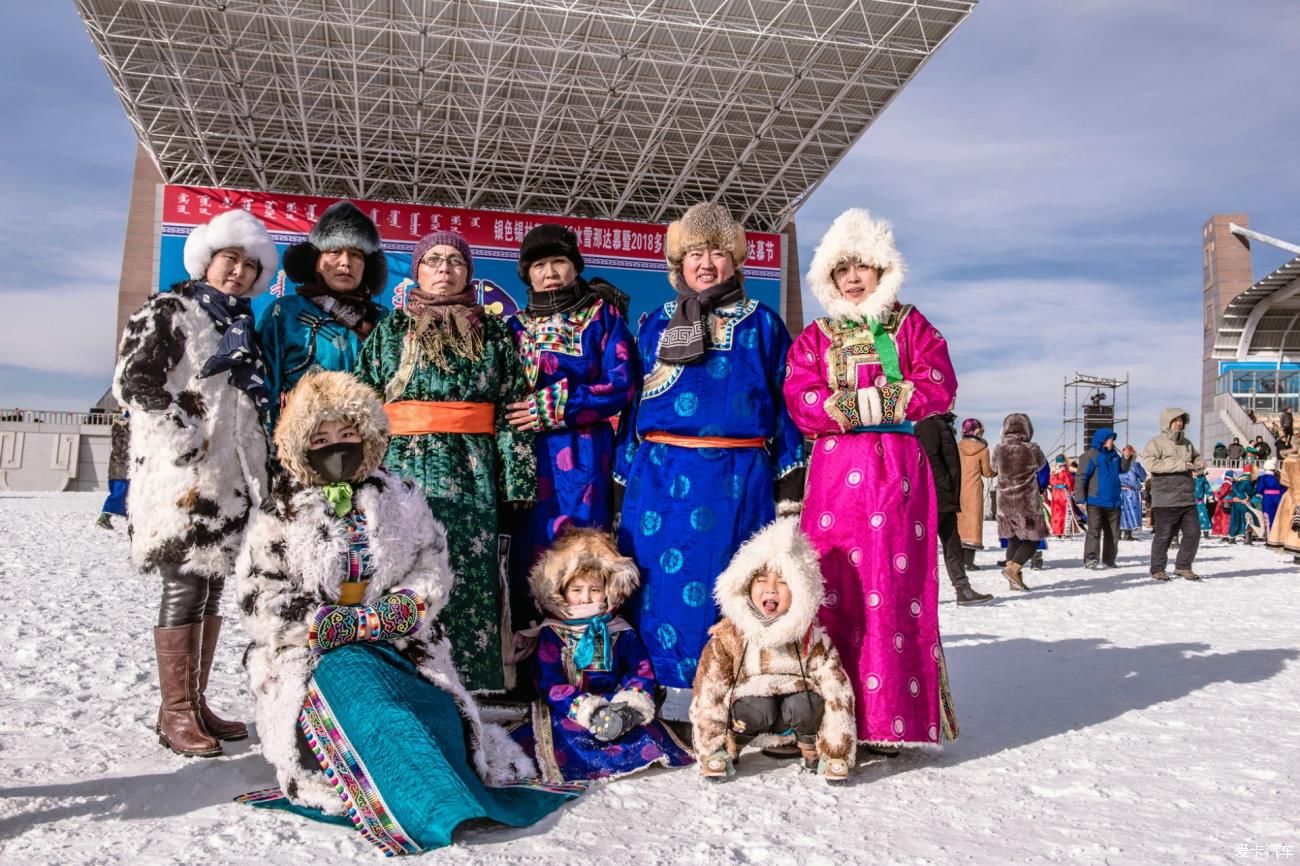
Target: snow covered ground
(1105, 718)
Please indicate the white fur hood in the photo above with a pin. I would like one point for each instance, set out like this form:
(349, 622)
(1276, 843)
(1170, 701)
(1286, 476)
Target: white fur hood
(856, 235)
(783, 547)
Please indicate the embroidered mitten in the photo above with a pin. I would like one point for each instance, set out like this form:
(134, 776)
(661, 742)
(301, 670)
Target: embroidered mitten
(393, 616)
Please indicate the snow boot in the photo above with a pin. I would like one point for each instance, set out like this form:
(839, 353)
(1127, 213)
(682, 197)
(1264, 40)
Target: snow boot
(968, 559)
(105, 520)
(967, 596)
(1186, 574)
(1159, 575)
(1037, 562)
(808, 749)
(1012, 573)
(179, 726)
(717, 767)
(215, 725)
(834, 770)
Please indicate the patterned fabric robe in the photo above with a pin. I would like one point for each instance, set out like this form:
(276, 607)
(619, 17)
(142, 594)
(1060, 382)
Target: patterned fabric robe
(870, 513)
(1130, 496)
(1061, 489)
(298, 336)
(687, 510)
(582, 368)
(465, 477)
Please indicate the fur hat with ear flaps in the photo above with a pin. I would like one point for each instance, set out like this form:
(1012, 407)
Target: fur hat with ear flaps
(234, 228)
(782, 547)
(703, 224)
(342, 226)
(322, 396)
(857, 236)
(579, 551)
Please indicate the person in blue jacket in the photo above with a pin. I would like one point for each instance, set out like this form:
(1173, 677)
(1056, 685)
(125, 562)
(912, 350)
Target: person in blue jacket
(1097, 488)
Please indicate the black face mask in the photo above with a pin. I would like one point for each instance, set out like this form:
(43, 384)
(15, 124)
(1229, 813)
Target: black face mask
(337, 462)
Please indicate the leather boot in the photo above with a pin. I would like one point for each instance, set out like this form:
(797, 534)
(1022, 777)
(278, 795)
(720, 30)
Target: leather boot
(1011, 571)
(968, 558)
(215, 725)
(179, 726)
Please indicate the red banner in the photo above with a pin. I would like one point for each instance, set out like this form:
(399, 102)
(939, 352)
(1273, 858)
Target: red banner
(401, 225)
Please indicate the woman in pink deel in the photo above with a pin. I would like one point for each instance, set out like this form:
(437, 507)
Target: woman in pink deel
(859, 376)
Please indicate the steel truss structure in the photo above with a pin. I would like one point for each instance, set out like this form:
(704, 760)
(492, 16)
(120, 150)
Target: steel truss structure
(1077, 393)
(629, 109)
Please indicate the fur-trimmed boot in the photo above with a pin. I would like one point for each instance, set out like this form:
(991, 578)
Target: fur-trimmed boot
(1011, 571)
(215, 725)
(179, 726)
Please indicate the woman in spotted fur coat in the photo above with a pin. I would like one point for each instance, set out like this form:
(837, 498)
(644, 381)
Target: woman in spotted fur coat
(190, 372)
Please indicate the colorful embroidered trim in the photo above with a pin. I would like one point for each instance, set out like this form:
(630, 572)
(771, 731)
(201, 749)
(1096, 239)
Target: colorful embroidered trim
(842, 407)
(265, 795)
(560, 333)
(392, 616)
(548, 404)
(348, 774)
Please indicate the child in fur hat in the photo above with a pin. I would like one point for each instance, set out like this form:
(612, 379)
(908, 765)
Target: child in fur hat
(769, 668)
(594, 717)
(341, 581)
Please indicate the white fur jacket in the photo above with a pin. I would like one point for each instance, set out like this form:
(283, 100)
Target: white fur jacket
(747, 656)
(293, 562)
(198, 447)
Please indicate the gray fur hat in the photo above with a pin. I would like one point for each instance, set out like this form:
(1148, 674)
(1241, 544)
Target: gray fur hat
(342, 226)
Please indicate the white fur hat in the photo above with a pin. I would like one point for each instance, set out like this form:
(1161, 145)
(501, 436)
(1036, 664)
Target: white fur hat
(856, 236)
(234, 228)
(782, 547)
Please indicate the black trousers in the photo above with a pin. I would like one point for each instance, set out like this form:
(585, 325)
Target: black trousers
(1102, 522)
(1166, 522)
(1021, 550)
(186, 597)
(954, 557)
(800, 712)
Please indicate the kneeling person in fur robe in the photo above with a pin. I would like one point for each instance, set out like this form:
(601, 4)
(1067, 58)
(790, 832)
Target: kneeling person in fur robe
(769, 670)
(359, 705)
(595, 713)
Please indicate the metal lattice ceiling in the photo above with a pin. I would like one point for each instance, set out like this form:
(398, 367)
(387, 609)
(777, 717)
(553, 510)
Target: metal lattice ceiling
(605, 108)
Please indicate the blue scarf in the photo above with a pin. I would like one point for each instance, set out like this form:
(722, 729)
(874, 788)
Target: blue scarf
(585, 651)
(238, 352)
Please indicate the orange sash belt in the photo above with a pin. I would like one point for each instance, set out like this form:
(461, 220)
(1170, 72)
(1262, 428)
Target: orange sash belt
(414, 417)
(704, 441)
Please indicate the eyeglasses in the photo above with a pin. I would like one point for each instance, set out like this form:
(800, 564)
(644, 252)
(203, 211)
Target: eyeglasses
(436, 261)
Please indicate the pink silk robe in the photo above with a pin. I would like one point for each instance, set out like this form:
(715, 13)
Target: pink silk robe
(869, 510)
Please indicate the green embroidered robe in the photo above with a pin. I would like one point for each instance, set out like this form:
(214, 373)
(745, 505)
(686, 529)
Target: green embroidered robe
(466, 478)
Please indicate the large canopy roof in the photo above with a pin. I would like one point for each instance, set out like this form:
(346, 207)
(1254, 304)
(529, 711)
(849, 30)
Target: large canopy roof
(1264, 320)
(628, 109)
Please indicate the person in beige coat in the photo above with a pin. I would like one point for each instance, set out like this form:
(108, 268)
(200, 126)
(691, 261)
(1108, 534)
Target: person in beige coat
(1281, 534)
(975, 467)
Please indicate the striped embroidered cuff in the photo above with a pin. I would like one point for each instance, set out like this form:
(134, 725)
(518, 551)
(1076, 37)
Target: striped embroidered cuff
(549, 404)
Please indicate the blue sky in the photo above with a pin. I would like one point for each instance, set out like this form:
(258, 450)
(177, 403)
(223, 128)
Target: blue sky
(1047, 175)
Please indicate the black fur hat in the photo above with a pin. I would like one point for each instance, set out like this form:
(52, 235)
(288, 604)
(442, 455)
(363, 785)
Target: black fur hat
(342, 225)
(548, 239)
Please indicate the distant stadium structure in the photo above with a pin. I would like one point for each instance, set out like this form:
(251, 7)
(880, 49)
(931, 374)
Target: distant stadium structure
(1251, 362)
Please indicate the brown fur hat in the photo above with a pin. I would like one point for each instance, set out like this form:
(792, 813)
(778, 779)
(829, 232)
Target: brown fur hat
(702, 224)
(322, 396)
(582, 551)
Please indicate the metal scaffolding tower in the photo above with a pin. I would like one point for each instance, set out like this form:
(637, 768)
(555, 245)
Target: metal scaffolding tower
(1085, 408)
